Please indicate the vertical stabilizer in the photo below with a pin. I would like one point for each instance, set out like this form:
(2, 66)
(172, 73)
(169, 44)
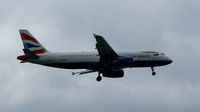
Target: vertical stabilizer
(31, 43)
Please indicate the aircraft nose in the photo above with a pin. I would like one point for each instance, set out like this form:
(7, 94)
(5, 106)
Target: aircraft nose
(170, 60)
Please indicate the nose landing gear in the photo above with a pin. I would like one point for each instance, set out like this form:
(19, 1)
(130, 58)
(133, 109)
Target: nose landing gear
(153, 72)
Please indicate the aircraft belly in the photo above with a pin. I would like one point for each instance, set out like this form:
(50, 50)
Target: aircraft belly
(150, 63)
(74, 65)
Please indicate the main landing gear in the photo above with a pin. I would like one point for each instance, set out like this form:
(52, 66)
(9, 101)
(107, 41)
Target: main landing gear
(99, 78)
(153, 72)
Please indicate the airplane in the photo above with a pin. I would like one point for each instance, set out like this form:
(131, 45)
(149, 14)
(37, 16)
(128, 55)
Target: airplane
(106, 61)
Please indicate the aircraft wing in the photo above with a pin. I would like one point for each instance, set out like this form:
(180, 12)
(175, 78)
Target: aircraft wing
(84, 72)
(105, 51)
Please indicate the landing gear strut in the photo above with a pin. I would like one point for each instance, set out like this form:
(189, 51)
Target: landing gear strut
(153, 72)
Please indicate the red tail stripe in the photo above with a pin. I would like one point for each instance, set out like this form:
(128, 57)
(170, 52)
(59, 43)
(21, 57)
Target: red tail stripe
(22, 57)
(27, 37)
(41, 51)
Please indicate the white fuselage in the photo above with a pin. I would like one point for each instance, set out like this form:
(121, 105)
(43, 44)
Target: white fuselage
(90, 60)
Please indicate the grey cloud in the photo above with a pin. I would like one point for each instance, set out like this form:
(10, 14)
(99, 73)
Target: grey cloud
(170, 26)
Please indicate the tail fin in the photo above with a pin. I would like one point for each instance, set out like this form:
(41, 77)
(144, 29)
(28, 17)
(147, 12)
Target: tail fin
(31, 43)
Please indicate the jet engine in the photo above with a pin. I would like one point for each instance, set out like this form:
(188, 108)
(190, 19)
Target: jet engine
(114, 73)
(123, 61)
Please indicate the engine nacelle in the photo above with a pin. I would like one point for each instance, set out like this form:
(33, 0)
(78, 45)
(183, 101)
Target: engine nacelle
(123, 61)
(114, 73)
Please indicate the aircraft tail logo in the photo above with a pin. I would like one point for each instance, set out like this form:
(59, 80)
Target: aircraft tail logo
(31, 43)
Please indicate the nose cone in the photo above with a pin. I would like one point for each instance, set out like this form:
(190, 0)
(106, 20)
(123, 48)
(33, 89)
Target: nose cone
(169, 60)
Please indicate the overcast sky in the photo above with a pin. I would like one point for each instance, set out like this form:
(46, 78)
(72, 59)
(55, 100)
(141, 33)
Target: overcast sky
(169, 26)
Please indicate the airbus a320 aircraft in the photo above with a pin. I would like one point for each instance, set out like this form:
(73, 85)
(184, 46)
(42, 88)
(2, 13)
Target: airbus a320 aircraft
(105, 61)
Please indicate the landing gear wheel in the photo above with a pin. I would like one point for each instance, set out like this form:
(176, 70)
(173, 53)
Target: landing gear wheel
(98, 78)
(153, 73)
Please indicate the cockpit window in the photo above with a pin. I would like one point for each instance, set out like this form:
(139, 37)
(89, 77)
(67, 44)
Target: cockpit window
(162, 53)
